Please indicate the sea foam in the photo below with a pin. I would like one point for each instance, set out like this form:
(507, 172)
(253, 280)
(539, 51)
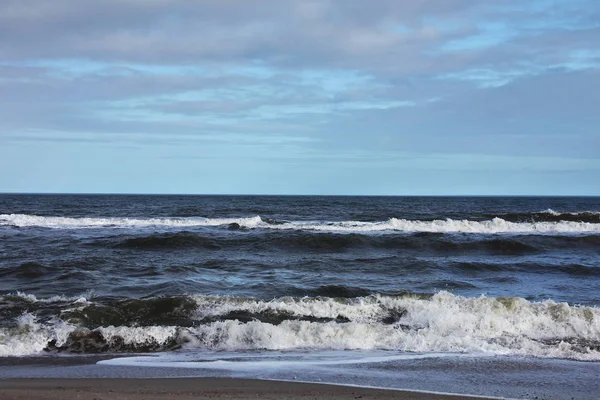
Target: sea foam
(492, 226)
(439, 323)
(24, 220)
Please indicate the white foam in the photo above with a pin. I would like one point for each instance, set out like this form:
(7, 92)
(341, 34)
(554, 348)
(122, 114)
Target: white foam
(81, 300)
(31, 337)
(551, 212)
(24, 220)
(140, 334)
(494, 226)
(364, 309)
(444, 323)
(557, 213)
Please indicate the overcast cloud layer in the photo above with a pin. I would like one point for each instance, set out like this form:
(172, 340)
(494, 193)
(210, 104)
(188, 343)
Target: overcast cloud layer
(307, 97)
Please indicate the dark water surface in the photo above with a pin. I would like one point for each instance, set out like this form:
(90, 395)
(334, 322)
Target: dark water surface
(96, 274)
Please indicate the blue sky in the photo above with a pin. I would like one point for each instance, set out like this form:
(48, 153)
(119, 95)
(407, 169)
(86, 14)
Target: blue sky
(383, 97)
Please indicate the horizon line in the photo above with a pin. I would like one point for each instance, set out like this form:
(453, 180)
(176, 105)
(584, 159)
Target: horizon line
(286, 195)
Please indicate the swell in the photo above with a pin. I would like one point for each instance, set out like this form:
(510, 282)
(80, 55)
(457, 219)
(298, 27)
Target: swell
(328, 242)
(553, 216)
(26, 270)
(439, 322)
(530, 267)
(169, 241)
(337, 291)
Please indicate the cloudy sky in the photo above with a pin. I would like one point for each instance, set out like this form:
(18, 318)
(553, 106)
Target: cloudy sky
(307, 97)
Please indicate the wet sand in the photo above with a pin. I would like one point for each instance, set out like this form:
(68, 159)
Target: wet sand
(196, 388)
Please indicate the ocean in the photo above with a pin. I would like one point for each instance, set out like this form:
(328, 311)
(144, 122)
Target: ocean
(362, 290)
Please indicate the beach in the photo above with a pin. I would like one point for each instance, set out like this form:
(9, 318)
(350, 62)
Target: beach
(103, 377)
(196, 388)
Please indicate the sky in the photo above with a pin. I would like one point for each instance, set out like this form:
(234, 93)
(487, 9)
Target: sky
(351, 97)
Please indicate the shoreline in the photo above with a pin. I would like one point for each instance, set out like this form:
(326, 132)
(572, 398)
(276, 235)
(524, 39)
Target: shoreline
(203, 388)
(439, 378)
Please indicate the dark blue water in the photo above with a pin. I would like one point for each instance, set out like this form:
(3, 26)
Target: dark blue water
(80, 274)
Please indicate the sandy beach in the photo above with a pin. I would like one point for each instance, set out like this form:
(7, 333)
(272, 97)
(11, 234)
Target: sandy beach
(195, 388)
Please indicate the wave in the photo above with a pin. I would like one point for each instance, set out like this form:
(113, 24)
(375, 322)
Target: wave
(21, 297)
(328, 241)
(570, 269)
(440, 322)
(492, 226)
(550, 215)
(338, 291)
(27, 270)
(170, 241)
(24, 220)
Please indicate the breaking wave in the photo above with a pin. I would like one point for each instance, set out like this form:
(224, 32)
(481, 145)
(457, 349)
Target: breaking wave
(492, 226)
(24, 220)
(440, 322)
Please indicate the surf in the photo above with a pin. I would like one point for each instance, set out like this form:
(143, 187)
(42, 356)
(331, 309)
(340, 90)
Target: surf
(493, 226)
(440, 322)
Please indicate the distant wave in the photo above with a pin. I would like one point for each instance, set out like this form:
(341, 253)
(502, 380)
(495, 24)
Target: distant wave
(440, 322)
(550, 215)
(492, 226)
(24, 220)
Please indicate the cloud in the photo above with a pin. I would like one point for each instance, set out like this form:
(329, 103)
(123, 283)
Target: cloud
(337, 34)
(309, 80)
(545, 115)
